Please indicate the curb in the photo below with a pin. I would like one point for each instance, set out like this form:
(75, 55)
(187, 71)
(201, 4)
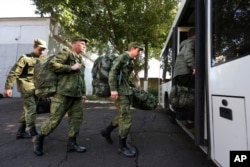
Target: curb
(98, 101)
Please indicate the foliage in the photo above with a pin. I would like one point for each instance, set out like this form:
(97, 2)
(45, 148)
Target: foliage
(112, 24)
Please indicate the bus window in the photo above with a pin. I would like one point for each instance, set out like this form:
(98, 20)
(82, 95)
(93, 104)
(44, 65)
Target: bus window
(166, 60)
(231, 35)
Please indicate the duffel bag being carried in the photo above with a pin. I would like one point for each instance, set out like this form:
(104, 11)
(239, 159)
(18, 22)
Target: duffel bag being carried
(143, 100)
(182, 97)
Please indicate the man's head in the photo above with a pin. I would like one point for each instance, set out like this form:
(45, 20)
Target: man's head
(79, 44)
(39, 46)
(134, 49)
(191, 32)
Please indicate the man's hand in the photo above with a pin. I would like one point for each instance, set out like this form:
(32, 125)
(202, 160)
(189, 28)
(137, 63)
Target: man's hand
(7, 92)
(193, 71)
(114, 95)
(76, 67)
(84, 98)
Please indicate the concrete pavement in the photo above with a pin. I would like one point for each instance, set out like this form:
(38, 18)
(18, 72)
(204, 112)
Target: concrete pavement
(158, 142)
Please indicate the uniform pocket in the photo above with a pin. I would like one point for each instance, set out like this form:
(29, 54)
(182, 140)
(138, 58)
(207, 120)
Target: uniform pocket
(30, 69)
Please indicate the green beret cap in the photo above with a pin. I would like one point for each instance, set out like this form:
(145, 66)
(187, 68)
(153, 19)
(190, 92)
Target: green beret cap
(40, 43)
(80, 39)
(136, 45)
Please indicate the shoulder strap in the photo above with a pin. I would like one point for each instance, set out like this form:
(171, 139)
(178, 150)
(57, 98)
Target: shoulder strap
(27, 55)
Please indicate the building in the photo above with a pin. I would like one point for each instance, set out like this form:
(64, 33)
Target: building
(154, 75)
(17, 38)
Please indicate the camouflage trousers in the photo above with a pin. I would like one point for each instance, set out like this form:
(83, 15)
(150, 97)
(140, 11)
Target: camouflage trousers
(124, 118)
(28, 115)
(60, 105)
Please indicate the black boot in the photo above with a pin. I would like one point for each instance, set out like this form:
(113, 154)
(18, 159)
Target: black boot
(124, 149)
(21, 133)
(38, 145)
(106, 133)
(33, 131)
(74, 147)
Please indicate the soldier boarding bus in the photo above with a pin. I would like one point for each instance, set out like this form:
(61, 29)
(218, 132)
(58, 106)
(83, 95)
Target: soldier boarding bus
(222, 81)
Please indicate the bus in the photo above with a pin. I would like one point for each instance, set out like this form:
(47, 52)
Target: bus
(222, 60)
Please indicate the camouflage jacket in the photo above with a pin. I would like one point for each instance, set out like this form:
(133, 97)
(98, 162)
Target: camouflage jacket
(23, 73)
(120, 73)
(71, 83)
(185, 60)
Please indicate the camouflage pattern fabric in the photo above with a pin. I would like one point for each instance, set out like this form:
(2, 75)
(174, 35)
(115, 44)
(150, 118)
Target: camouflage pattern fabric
(123, 65)
(182, 97)
(100, 73)
(23, 73)
(28, 115)
(100, 89)
(119, 75)
(45, 80)
(143, 100)
(124, 118)
(59, 106)
(70, 89)
(70, 83)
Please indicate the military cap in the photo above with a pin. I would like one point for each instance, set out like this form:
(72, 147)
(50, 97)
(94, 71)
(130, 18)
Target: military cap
(80, 39)
(40, 43)
(136, 45)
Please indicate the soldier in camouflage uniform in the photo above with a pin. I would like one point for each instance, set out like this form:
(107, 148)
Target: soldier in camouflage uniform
(23, 73)
(184, 71)
(121, 93)
(69, 96)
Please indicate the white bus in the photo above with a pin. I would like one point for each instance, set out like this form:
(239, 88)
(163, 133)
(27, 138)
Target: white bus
(222, 80)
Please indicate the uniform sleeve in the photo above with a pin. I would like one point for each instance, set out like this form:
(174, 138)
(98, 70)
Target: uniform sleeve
(15, 72)
(114, 72)
(83, 78)
(58, 63)
(190, 54)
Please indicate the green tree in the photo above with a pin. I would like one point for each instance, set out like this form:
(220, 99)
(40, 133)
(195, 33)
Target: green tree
(112, 24)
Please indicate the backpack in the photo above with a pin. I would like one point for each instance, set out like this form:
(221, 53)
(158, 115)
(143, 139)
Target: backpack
(45, 80)
(100, 74)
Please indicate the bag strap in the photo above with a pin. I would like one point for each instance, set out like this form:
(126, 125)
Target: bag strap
(121, 76)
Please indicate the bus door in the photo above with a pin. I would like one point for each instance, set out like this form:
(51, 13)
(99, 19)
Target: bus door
(181, 34)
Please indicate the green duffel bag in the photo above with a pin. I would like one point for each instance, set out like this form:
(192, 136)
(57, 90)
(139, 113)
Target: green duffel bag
(182, 97)
(143, 100)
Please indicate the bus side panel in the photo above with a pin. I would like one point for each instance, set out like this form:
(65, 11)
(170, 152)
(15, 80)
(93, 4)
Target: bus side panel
(230, 100)
(164, 92)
